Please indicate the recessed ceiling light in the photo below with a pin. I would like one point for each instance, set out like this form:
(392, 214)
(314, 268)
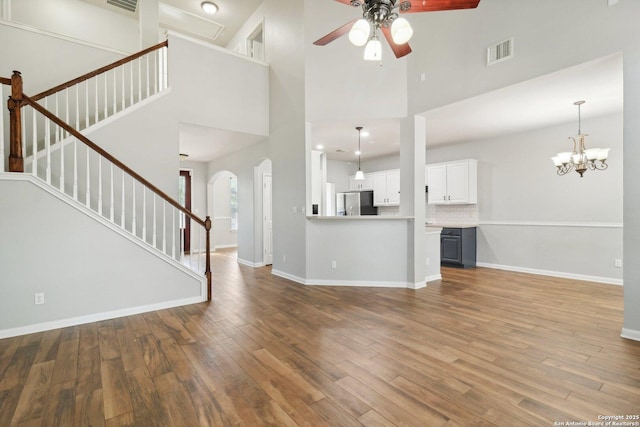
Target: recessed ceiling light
(358, 152)
(365, 133)
(319, 147)
(209, 8)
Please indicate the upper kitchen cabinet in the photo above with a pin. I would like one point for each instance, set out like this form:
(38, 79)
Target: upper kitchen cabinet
(386, 188)
(453, 183)
(363, 184)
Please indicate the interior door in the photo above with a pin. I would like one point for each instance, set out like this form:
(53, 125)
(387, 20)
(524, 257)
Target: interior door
(267, 226)
(184, 197)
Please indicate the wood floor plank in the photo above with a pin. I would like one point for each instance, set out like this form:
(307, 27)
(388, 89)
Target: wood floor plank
(89, 409)
(34, 397)
(480, 347)
(115, 390)
(175, 401)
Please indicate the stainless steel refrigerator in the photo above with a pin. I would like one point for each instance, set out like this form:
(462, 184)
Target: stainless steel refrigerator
(353, 203)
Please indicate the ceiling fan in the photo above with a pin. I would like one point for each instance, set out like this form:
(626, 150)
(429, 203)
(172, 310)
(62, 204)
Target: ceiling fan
(384, 15)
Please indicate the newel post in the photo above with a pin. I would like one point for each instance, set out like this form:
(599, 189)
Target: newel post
(16, 162)
(207, 272)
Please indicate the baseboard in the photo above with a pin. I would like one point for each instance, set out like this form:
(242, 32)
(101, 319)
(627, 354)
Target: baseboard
(433, 277)
(288, 276)
(225, 246)
(249, 263)
(348, 283)
(97, 317)
(607, 280)
(630, 334)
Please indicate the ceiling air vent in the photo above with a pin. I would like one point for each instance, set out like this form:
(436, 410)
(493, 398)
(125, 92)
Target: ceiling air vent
(500, 52)
(129, 5)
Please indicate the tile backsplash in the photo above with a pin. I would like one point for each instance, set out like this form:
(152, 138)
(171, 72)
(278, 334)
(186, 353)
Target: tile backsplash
(452, 214)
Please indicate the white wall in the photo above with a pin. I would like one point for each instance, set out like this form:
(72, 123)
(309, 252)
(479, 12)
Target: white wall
(340, 85)
(367, 252)
(86, 270)
(80, 20)
(544, 44)
(338, 172)
(223, 236)
(531, 218)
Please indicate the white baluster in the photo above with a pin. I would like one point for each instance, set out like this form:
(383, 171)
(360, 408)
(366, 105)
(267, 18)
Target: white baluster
(173, 233)
(86, 106)
(106, 97)
(78, 107)
(156, 88)
(181, 241)
(111, 195)
(124, 96)
(164, 227)
(99, 184)
(23, 142)
(199, 246)
(66, 98)
(88, 196)
(34, 142)
(133, 204)
(57, 128)
(131, 82)
(75, 169)
(139, 79)
(61, 148)
(47, 144)
(115, 91)
(154, 221)
(144, 213)
(122, 216)
(148, 75)
(96, 114)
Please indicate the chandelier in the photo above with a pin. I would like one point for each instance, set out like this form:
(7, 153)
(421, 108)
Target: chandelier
(376, 14)
(581, 158)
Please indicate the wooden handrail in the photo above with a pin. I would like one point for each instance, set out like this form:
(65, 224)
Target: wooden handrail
(98, 71)
(5, 81)
(28, 100)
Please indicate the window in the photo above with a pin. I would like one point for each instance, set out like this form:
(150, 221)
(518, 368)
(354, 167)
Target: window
(233, 197)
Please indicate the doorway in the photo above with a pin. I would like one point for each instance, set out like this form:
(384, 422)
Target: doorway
(255, 42)
(184, 197)
(267, 224)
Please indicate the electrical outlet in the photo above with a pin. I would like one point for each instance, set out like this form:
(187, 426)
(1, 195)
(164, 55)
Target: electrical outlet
(284, 258)
(39, 298)
(334, 264)
(618, 263)
(428, 261)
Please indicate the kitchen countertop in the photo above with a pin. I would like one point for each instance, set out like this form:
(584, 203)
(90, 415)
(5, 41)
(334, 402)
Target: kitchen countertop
(358, 217)
(439, 225)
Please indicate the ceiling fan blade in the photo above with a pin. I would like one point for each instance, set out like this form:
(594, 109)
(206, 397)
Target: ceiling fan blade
(335, 33)
(436, 5)
(399, 50)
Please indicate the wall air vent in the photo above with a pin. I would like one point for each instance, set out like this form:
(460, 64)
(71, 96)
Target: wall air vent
(500, 52)
(129, 5)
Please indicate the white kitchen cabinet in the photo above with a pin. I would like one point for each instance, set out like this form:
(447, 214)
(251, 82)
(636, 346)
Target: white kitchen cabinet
(364, 184)
(453, 183)
(386, 188)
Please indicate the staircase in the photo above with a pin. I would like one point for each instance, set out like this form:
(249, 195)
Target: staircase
(47, 140)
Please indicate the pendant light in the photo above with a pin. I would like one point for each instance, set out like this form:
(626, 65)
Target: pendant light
(359, 175)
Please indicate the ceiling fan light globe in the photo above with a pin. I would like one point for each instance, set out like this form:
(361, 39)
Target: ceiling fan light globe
(209, 8)
(359, 33)
(401, 31)
(373, 50)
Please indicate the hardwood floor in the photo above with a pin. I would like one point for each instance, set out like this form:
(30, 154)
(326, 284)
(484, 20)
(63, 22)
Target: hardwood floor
(481, 347)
